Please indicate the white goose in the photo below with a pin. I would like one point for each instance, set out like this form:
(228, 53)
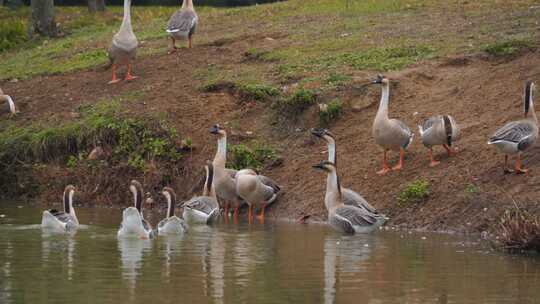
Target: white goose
(203, 209)
(62, 221)
(390, 134)
(133, 223)
(517, 136)
(345, 218)
(170, 224)
(124, 46)
(11, 104)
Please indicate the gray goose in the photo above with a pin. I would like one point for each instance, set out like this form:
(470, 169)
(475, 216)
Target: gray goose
(254, 192)
(203, 209)
(182, 25)
(62, 220)
(124, 46)
(390, 134)
(517, 136)
(345, 218)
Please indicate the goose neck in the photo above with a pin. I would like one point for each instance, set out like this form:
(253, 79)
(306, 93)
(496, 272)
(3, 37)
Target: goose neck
(126, 22)
(11, 104)
(333, 190)
(221, 154)
(383, 105)
(187, 4)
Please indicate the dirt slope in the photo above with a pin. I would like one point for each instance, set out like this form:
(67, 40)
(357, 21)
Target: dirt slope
(468, 192)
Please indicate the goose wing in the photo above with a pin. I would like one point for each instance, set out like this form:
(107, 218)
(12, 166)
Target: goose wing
(231, 173)
(182, 21)
(61, 215)
(519, 132)
(430, 122)
(352, 198)
(267, 181)
(355, 216)
(204, 204)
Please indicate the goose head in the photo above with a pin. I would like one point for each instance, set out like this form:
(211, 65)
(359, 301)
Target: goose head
(69, 191)
(136, 189)
(170, 196)
(324, 134)
(529, 87)
(381, 79)
(218, 130)
(325, 166)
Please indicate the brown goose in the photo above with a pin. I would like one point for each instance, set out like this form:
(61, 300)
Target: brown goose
(182, 25)
(254, 192)
(124, 46)
(390, 134)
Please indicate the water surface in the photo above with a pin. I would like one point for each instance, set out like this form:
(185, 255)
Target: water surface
(271, 263)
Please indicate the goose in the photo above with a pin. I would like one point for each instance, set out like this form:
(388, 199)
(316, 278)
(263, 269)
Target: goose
(11, 104)
(390, 134)
(182, 25)
(62, 220)
(349, 196)
(224, 179)
(170, 224)
(203, 209)
(439, 130)
(124, 46)
(133, 223)
(345, 218)
(517, 136)
(254, 192)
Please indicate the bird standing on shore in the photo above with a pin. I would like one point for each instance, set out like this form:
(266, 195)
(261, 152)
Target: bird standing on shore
(182, 25)
(439, 130)
(390, 134)
(11, 104)
(517, 136)
(124, 46)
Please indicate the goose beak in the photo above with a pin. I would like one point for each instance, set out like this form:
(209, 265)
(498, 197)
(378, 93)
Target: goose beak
(214, 130)
(318, 166)
(317, 132)
(378, 80)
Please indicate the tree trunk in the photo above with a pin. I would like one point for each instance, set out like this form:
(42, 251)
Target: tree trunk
(43, 22)
(100, 5)
(1, 2)
(92, 6)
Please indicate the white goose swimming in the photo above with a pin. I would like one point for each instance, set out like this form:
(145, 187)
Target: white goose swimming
(345, 218)
(170, 224)
(62, 221)
(517, 136)
(133, 223)
(203, 209)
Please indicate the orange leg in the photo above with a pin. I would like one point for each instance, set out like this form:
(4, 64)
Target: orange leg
(450, 151)
(226, 211)
(385, 168)
(519, 168)
(261, 216)
(505, 168)
(399, 166)
(432, 162)
(114, 79)
(128, 75)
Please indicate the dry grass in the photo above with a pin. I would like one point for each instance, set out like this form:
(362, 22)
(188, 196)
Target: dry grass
(518, 230)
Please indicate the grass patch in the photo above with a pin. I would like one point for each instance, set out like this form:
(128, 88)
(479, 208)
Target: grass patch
(337, 80)
(295, 104)
(330, 112)
(258, 92)
(414, 193)
(255, 156)
(134, 141)
(381, 59)
(12, 33)
(518, 230)
(508, 48)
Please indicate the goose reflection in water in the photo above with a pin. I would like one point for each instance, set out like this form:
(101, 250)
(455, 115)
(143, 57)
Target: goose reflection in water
(213, 264)
(53, 243)
(344, 254)
(131, 255)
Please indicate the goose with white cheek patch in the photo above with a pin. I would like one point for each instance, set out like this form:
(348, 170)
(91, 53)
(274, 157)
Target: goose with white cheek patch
(516, 137)
(133, 222)
(345, 218)
(62, 220)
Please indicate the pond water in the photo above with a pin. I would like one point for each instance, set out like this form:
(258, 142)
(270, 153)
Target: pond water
(272, 263)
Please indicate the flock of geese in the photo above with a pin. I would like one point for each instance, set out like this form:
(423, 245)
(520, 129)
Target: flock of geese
(348, 211)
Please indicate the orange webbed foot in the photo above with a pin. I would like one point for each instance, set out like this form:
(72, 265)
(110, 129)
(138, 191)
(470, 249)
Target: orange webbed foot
(383, 171)
(434, 163)
(117, 80)
(397, 167)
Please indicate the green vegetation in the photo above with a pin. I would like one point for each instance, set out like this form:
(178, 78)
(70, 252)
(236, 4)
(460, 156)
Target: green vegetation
(295, 104)
(258, 92)
(133, 140)
(414, 193)
(330, 112)
(471, 189)
(12, 33)
(255, 156)
(518, 230)
(337, 80)
(507, 48)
